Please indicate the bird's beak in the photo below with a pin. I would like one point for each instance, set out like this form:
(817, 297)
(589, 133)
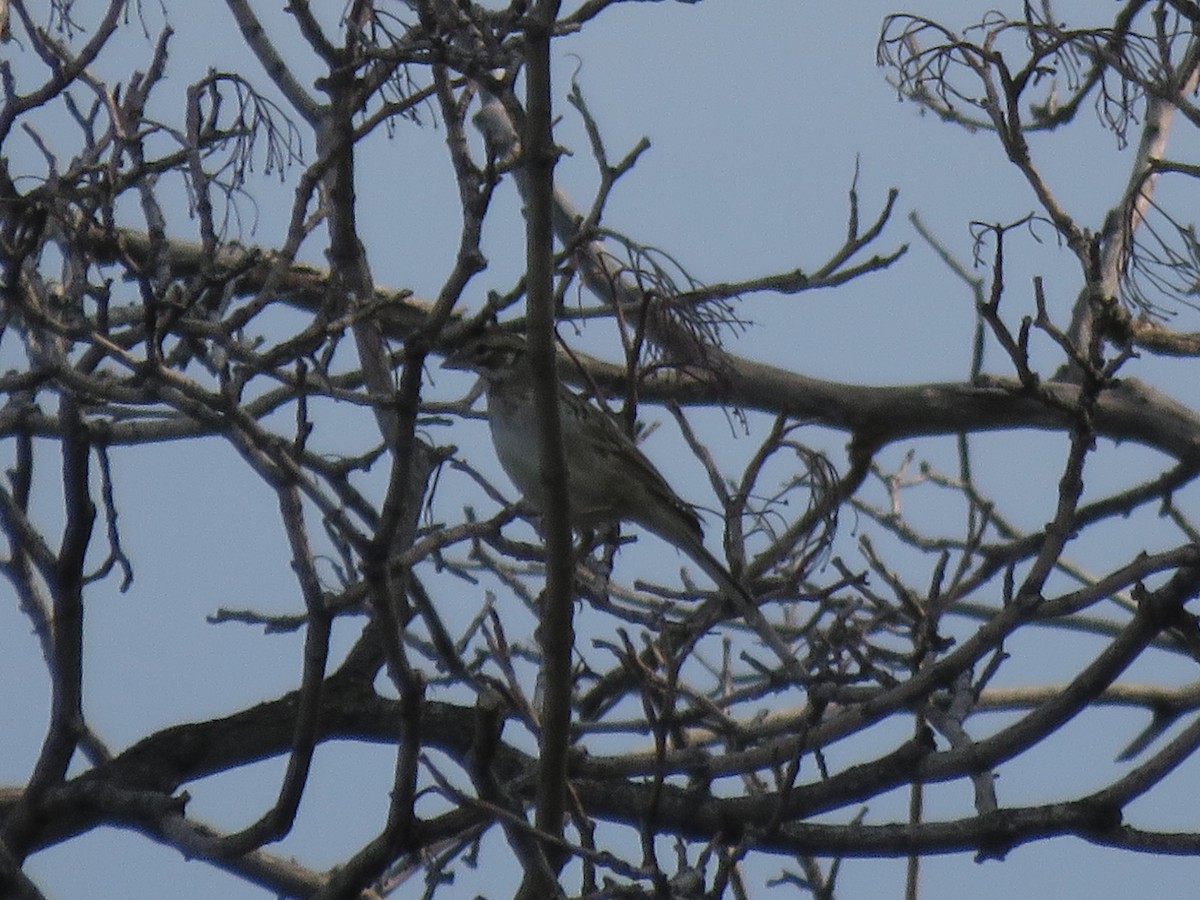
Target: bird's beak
(457, 360)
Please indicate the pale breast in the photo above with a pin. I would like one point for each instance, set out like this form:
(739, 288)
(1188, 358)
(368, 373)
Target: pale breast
(514, 433)
(591, 471)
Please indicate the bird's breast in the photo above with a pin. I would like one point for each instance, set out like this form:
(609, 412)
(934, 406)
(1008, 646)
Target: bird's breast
(515, 435)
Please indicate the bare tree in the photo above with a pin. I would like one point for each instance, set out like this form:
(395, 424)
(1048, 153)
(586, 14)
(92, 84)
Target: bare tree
(578, 714)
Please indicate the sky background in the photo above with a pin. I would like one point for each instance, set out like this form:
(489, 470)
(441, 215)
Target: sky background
(759, 115)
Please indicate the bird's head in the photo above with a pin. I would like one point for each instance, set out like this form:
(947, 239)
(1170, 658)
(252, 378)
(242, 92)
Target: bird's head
(496, 355)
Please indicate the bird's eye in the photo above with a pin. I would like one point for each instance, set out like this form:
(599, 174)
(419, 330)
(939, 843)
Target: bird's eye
(498, 358)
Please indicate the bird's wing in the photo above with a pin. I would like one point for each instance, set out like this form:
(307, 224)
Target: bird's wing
(683, 523)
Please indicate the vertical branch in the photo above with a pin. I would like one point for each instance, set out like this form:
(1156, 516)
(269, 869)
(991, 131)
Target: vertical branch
(66, 578)
(412, 461)
(352, 285)
(556, 630)
(67, 711)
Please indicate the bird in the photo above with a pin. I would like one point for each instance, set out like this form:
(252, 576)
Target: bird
(608, 478)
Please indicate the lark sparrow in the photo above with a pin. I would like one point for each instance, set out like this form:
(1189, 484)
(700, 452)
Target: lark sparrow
(608, 478)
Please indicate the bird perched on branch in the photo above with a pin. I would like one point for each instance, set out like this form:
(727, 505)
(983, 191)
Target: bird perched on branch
(608, 478)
